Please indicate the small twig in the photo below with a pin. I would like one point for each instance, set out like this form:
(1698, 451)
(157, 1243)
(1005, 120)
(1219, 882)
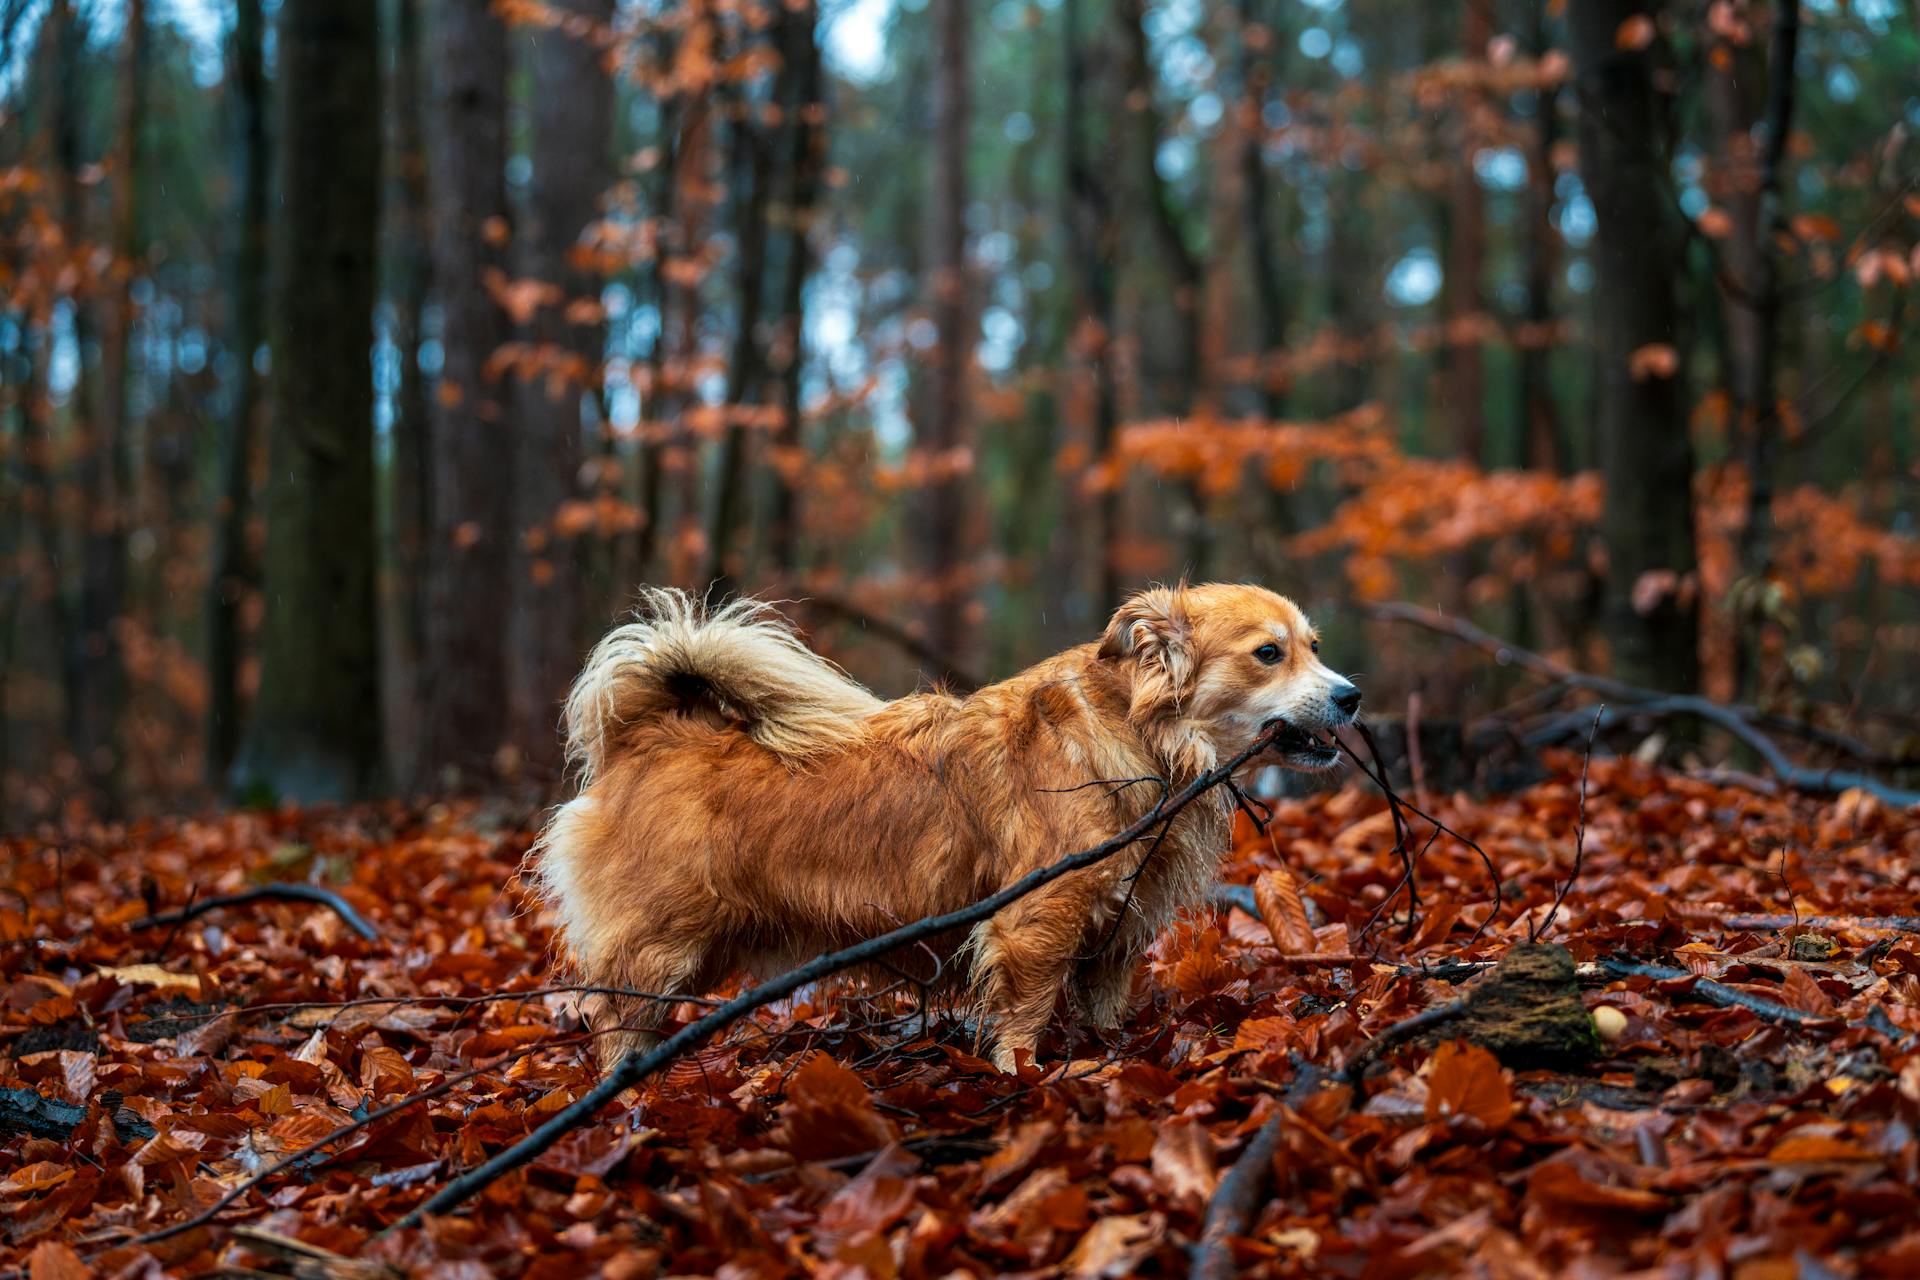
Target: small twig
(636, 1067)
(1395, 803)
(1579, 838)
(1399, 1033)
(276, 892)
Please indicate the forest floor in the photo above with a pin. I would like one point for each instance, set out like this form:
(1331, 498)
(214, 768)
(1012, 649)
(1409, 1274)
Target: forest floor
(845, 1133)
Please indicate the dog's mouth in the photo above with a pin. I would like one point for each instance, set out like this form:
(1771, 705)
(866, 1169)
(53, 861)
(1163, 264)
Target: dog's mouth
(1300, 749)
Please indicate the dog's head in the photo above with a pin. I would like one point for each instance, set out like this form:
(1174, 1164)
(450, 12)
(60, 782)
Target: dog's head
(1226, 660)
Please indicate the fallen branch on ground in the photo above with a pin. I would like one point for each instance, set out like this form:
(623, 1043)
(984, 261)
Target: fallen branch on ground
(1235, 1201)
(636, 1067)
(1794, 775)
(1721, 994)
(1743, 722)
(276, 892)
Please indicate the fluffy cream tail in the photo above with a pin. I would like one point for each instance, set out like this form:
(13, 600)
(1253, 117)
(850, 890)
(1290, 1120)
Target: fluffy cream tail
(743, 656)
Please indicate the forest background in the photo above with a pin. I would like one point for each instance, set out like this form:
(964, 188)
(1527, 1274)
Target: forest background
(359, 358)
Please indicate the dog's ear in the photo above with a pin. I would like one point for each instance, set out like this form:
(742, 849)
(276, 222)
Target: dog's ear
(1153, 629)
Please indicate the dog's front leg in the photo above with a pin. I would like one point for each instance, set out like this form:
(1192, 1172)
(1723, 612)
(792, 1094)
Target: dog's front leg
(1023, 957)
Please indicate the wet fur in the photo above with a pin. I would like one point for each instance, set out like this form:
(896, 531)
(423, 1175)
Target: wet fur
(746, 805)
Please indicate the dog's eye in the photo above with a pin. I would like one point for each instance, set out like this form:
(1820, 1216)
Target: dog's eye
(1268, 653)
(1316, 646)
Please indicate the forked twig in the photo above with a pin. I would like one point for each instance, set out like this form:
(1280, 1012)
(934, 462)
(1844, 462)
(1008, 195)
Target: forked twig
(1579, 838)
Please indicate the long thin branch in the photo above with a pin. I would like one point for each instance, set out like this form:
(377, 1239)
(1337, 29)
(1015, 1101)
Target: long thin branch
(636, 1067)
(279, 891)
(1510, 654)
(1729, 718)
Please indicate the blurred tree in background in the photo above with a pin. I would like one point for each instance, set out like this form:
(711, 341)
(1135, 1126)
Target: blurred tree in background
(359, 358)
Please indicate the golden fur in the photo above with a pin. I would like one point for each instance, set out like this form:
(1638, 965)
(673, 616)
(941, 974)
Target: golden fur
(745, 804)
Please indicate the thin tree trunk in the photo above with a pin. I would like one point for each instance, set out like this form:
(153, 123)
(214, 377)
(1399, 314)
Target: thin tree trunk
(1092, 229)
(105, 470)
(1650, 610)
(1189, 390)
(467, 733)
(1760, 395)
(571, 149)
(947, 418)
(806, 161)
(1540, 445)
(750, 159)
(315, 731)
(1466, 258)
(1268, 293)
(234, 573)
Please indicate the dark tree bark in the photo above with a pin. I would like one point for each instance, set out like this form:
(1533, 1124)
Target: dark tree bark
(234, 572)
(1182, 261)
(1268, 293)
(1650, 609)
(1541, 447)
(470, 545)
(104, 474)
(1466, 256)
(750, 165)
(946, 419)
(1759, 394)
(1093, 233)
(315, 731)
(805, 163)
(571, 148)
(408, 278)
(1187, 390)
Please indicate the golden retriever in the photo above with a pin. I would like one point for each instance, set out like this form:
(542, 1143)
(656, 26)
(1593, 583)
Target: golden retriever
(745, 805)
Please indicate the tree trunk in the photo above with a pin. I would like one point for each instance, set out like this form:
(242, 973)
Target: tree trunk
(1268, 293)
(1760, 395)
(1187, 391)
(1466, 257)
(750, 161)
(1093, 233)
(946, 418)
(467, 733)
(571, 148)
(105, 468)
(408, 279)
(315, 731)
(806, 161)
(234, 573)
(1646, 458)
(1540, 447)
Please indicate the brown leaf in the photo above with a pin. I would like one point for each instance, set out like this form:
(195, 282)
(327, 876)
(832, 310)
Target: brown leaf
(1277, 894)
(828, 1112)
(1466, 1080)
(1183, 1162)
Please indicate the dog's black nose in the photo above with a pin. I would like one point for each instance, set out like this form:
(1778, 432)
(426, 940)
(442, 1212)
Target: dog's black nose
(1347, 698)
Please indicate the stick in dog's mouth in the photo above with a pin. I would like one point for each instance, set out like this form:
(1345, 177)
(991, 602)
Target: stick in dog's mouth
(1300, 748)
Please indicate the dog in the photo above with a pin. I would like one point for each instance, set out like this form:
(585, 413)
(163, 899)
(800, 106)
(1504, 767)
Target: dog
(744, 804)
